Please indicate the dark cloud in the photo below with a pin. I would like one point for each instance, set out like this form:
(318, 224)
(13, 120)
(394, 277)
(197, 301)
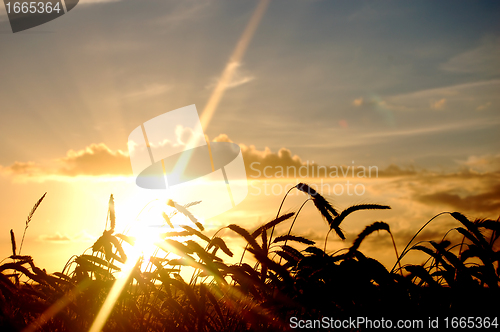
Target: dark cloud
(256, 161)
(284, 164)
(485, 202)
(100, 160)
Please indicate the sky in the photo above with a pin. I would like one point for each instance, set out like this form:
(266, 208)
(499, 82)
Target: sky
(411, 88)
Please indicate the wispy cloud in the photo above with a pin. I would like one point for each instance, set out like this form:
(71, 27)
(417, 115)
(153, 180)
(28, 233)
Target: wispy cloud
(240, 77)
(483, 106)
(461, 96)
(448, 127)
(484, 59)
(148, 91)
(57, 237)
(182, 11)
(438, 104)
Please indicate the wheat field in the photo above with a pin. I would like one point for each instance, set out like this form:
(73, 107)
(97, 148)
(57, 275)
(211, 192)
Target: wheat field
(275, 279)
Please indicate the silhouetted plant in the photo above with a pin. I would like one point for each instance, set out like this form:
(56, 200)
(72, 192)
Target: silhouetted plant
(286, 281)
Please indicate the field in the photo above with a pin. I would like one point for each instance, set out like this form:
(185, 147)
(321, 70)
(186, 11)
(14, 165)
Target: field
(278, 280)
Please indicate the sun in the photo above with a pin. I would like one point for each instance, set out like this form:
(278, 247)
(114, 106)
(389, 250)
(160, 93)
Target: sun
(150, 222)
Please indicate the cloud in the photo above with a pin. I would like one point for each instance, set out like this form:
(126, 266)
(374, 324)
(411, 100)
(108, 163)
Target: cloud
(358, 102)
(148, 91)
(222, 138)
(440, 128)
(260, 159)
(484, 163)
(466, 190)
(256, 160)
(98, 160)
(485, 202)
(439, 104)
(483, 106)
(462, 96)
(83, 236)
(183, 11)
(394, 170)
(94, 160)
(238, 78)
(485, 59)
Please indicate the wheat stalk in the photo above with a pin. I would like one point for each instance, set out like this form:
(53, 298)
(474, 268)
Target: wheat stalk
(28, 220)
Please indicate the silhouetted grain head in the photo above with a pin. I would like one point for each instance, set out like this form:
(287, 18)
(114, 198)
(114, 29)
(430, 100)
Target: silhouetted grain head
(30, 215)
(98, 261)
(270, 264)
(34, 209)
(196, 232)
(264, 241)
(129, 239)
(472, 227)
(293, 238)
(291, 261)
(376, 226)
(338, 220)
(13, 242)
(320, 200)
(219, 243)
(182, 209)
(243, 232)
(292, 251)
(315, 251)
(167, 219)
(448, 255)
(116, 243)
(420, 272)
(272, 223)
(175, 234)
(111, 210)
(183, 249)
(329, 218)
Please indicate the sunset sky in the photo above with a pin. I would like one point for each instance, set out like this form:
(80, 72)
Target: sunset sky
(412, 88)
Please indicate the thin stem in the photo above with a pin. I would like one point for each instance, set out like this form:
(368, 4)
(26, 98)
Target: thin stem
(396, 250)
(326, 240)
(405, 251)
(22, 240)
(293, 222)
(277, 215)
(272, 231)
